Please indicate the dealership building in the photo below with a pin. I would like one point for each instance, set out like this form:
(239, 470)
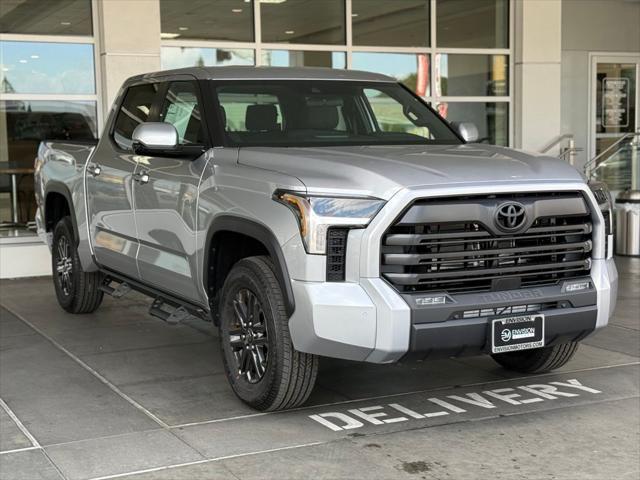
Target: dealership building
(559, 76)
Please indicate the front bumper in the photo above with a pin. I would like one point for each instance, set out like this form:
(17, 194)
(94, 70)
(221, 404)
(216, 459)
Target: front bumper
(370, 321)
(366, 319)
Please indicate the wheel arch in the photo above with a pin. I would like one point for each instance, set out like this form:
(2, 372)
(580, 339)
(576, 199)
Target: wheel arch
(256, 232)
(56, 196)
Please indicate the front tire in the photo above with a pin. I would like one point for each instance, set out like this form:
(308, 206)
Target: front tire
(538, 360)
(262, 366)
(77, 291)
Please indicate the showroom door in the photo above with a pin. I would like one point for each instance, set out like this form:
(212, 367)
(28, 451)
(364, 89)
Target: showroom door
(614, 116)
(166, 198)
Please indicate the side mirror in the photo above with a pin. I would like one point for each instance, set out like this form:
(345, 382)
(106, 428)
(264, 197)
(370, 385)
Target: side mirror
(154, 138)
(467, 130)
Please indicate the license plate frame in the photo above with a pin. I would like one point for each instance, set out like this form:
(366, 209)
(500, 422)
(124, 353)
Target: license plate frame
(517, 332)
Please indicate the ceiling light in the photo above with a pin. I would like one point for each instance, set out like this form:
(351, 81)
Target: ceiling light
(66, 24)
(182, 29)
(272, 1)
(290, 32)
(169, 36)
(354, 15)
(236, 10)
(5, 69)
(35, 56)
(22, 60)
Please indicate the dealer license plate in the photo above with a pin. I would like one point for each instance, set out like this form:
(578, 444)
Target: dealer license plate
(517, 333)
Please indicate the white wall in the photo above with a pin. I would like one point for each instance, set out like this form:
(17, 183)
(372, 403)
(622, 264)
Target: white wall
(128, 43)
(601, 25)
(591, 26)
(537, 72)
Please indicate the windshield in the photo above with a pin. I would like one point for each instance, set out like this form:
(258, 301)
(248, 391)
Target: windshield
(297, 113)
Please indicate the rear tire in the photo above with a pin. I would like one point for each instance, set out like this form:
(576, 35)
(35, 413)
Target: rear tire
(77, 291)
(262, 366)
(538, 360)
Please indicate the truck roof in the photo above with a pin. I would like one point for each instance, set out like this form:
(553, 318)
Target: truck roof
(266, 73)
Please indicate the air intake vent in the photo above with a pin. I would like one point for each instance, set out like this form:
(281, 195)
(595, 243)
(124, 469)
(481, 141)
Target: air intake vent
(336, 254)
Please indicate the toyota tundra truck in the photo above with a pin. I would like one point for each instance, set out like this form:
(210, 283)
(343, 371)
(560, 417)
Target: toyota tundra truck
(314, 213)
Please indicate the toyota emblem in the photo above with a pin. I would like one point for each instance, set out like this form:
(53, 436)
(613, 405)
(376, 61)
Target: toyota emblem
(510, 216)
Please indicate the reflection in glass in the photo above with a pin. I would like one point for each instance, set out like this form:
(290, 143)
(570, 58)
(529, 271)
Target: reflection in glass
(491, 118)
(40, 67)
(472, 23)
(230, 20)
(617, 166)
(179, 57)
(23, 124)
(615, 98)
(303, 21)
(401, 23)
(471, 75)
(50, 17)
(409, 68)
(290, 58)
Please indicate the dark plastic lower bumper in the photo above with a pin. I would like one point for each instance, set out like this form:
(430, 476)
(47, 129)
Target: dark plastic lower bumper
(439, 331)
(471, 337)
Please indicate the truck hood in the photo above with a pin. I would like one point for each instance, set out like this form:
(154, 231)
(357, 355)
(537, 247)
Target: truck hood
(380, 171)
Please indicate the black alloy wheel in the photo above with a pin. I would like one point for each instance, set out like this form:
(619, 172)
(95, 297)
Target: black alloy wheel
(248, 336)
(261, 364)
(77, 291)
(64, 265)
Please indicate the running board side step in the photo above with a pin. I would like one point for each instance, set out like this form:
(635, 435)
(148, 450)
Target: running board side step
(119, 291)
(173, 315)
(166, 307)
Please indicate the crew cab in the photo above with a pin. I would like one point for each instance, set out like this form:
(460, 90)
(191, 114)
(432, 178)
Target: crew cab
(318, 212)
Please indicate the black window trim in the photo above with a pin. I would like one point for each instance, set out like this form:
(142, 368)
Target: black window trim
(156, 105)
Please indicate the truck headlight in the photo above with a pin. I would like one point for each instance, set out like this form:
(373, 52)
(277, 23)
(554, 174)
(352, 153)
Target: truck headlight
(605, 202)
(316, 213)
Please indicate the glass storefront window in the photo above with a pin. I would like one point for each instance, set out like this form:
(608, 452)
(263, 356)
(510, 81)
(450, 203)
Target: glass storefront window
(471, 75)
(179, 57)
(228, 20)
(472, 23)
(401, 23)
(491, 118)
(23, 124)
(50, 17)
(303, 21)
(42, 67)
(409, 68)
(298, 58)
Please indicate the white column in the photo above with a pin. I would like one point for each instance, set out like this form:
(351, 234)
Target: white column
(128, 42)
(538, 52)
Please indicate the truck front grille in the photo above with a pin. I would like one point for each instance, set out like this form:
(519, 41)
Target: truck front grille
(435, 246)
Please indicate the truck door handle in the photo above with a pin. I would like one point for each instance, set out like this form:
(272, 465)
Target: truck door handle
(94, 169)
(141, 178)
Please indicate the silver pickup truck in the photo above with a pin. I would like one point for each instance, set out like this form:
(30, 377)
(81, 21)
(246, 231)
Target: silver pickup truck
(316, 212)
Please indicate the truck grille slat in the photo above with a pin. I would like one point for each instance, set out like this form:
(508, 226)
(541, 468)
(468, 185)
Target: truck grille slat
(411, 278)
(417, 259)
(463, 254)
(466, 237)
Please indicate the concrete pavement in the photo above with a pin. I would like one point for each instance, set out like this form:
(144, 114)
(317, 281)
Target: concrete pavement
(119, 394)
